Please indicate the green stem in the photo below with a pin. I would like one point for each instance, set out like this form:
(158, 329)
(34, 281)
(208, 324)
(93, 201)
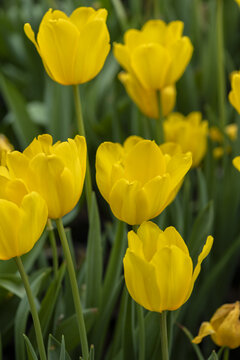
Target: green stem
(75, 291)
(220, 64)
(81, 130)
(226, 354)
(141, 333)
(163, 335)
(32, 305)
(53, 246)
(159, 130)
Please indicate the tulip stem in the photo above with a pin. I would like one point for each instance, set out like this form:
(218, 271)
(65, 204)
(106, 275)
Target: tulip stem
(163, 335)
(159, 130)
(141, 332)
(220, 65)
(81, 130)
(226, 354)
(32, 305)
(53, 246)
(75, 291)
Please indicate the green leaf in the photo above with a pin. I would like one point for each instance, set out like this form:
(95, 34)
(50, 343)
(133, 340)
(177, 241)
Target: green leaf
(195, 346)
(202, 188)
(55, 349)
(91, 354)
(213, 356)
(94, 258)
(23, 126)
(63, 350)
(1, 354)
(30, 351)
(13, 284)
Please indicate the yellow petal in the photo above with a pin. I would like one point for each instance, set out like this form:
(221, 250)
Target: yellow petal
(174, 238)
(168, 99)
(174, 275)
(130, 142)
(128, 202)
(144, 162)
(205, 251)
(18, 165)
(205, 330)
(178, 166)
(173, 32)
(92, 51)
(145, 99)
(151, 64)
(234, 95)
(30, 34)
(236, 162)
(181, 53)
(149, 233)
(107, 155)
(82, 15)
(135, 244)
(140, 278)
(154, 31)
(122, 55)
(133, 38)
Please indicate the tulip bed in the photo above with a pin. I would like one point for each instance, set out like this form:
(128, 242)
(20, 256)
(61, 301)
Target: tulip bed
(119, 180)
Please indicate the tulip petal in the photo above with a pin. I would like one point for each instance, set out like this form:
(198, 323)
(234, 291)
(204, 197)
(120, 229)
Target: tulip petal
(151, 63)
(107, 155)
(157, 191)
(173, 32)
(168, 99)
(82, 15)
(174, 275)
(135, 244)
(205, 330)
(154, 31)
(178, 166)
(141, 283)
(144, 162)
(128, 202)
(18, 165)
(130, 142)
(236, 162)
(121, 53)
(149, 233)
(228, 332)
(205, 251)
(92, 50)
(133, 38)
(234, 95)
(174, 238)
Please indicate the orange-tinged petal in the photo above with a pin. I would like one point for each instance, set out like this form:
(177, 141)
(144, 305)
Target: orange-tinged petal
(151, 64)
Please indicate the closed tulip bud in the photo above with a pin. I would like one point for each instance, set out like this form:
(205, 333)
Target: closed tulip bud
(147, 99)
(157, 55)
(73, 49)
(234, 95)
(56, 171)
(224, 327)
(23, 216)
(158, 270)
(137, 179)
(189, 132)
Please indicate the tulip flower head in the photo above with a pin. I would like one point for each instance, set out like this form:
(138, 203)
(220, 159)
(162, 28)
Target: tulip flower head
(158, 270)
(23, 216)
(147, 99)
(56, 171)
(156, 55)
(73, 49)
(234, 95)
(238, 2)
(224, 327)
(189, 132)
(138, 179)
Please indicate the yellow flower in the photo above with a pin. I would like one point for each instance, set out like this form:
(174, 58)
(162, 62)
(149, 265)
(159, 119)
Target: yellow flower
(73, 49)
(137, 179)
(147, 99)
(158, 270)
(55, 171)
(238, 2)
(236, 162)
(157, 55)
(5, 146)
(23, 216)
(231, 130)
(224, 327)
(234, 95)
(189, 132)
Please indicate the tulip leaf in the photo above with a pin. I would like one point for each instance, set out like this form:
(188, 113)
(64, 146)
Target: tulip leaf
(128, 328)
(94, 258)
(1, 352)
(213, 356)
(13, 284)
(23, 126)
(30, 350)
(56, 350)
(195, 346)
(202, 187)
(23, 312)
(91, 354)
(69, 328)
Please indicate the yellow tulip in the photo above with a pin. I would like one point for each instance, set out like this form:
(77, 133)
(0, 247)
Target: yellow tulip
(23, 216)
(138, 179)
(234, 95)
(73, 49)
(238, 2)
(56, 171)
(189, 132)
(147, 99)
(224, 327)
(158, 270)
(5, 146)
(157, 55)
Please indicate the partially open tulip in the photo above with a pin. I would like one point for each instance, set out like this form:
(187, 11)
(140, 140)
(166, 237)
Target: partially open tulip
(73, 49)
(147, 99)
(189, 132)
(157, 54)
(137, 179)
(224, 327)
(234, 95)
(158, 270)
(56, 171)
(23, 216)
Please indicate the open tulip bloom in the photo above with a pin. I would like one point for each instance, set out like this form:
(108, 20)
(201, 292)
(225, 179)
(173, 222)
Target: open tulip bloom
(138, 179)
(73, 49)
(158, 269)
